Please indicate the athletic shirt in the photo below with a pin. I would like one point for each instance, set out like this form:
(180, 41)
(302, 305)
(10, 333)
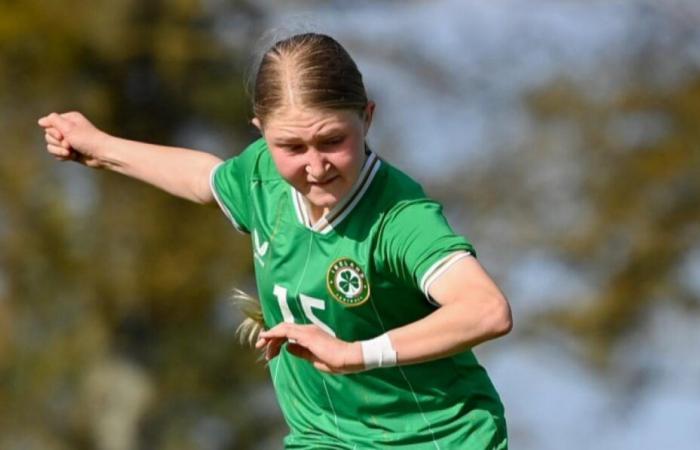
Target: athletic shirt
(360, 271)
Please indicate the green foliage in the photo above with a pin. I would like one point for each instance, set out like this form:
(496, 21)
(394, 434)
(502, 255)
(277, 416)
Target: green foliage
(645, 196)
(111, 292)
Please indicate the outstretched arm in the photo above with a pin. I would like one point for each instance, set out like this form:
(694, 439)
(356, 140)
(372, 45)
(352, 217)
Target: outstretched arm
(473, 310)
(178, 171)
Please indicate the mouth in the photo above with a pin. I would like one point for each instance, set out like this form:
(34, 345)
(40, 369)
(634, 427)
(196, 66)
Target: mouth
(323, 183)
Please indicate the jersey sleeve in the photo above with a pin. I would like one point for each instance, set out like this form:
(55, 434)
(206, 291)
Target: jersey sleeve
(230, 183)
(417, 245)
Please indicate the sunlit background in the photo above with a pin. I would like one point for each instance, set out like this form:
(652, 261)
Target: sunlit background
(562, 136)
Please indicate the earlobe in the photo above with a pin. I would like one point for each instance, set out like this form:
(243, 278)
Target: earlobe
(256, 122)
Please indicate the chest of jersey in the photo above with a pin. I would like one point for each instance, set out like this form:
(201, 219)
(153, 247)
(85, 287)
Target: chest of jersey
(306, 277)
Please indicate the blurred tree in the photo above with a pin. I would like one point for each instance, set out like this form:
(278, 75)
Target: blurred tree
(641, 160)
(609, 188)
(96, 269)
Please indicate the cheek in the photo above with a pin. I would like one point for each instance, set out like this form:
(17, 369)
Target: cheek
(350, 159)
(289, 167)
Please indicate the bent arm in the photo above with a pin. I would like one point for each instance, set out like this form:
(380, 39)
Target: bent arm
(473, 310)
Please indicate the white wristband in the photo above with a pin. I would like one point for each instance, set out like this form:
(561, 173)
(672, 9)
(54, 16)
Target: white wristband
(378, 352)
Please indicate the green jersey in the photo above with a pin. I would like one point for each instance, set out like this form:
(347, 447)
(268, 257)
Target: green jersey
(358, 272)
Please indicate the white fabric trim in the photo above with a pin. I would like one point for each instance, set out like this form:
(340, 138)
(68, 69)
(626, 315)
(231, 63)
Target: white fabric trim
(297, 209)
(437, 269)
(355, 201)
(220, 202)
(346, 204)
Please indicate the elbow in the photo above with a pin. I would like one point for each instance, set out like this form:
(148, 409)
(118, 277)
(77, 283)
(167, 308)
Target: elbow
(500, 320)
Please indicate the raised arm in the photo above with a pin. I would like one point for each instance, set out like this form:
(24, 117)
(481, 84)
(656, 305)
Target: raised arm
(178, 171)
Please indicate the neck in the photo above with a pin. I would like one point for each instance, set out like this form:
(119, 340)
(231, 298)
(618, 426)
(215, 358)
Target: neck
(317, 212)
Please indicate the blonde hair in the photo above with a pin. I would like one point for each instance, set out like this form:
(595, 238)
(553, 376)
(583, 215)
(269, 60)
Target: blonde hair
(310, 70)
(247, 332)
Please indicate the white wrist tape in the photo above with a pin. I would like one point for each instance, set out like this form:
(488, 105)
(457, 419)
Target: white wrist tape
(378, 352)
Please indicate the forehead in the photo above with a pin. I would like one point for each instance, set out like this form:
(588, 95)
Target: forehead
(305, 123)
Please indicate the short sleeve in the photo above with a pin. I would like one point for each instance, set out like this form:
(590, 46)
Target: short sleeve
(417, 245)
(230, 183)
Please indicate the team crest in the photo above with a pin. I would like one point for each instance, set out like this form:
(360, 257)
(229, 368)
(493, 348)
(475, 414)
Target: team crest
(347, 282)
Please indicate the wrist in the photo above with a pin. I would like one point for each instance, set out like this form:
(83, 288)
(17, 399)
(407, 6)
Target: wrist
(378, 352)
(353, 357)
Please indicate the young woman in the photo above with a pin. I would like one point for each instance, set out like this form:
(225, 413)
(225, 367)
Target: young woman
(371, 303)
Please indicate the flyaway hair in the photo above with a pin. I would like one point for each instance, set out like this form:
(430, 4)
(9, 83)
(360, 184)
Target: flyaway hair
(247, 332)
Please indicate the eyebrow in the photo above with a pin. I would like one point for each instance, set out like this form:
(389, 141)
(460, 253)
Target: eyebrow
(325, 134)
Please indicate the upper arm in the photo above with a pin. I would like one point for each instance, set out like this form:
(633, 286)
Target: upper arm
(464, 279)
(467, 281)
(205, 194)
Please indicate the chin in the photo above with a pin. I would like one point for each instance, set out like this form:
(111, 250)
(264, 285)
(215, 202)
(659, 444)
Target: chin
(326, 200)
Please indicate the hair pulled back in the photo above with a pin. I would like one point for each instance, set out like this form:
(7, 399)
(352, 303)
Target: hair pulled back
(307, 70)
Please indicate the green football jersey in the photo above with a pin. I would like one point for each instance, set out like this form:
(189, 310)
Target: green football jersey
(360, 271)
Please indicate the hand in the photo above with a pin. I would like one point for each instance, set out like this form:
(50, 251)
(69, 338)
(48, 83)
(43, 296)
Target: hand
(71, 137)
(326, 352)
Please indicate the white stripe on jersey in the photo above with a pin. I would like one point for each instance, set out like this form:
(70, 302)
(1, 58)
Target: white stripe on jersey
(342, 214)
(299, 207)
(331, 219)
(437, 269)
(221, 204)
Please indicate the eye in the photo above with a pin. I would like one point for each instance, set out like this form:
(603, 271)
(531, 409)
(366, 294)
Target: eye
(293, 148)
(335, 140)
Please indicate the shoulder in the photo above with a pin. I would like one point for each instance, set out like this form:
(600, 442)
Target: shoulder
(398, 186)
(402, 197)
(254, 162)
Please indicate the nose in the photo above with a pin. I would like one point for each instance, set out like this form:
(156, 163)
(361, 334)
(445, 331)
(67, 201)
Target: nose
(316, 164)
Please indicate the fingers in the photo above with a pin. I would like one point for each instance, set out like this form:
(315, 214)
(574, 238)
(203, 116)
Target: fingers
(72, 115)
(285, 330)
(271, 346)
(61, 123)
(54, 133)
(52, 140)
(59, 151)
(301, 352)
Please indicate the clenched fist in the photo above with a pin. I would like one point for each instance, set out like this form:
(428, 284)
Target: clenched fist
(71, 137)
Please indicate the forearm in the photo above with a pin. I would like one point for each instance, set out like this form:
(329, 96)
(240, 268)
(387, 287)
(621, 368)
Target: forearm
(178, 171)
(450, 329)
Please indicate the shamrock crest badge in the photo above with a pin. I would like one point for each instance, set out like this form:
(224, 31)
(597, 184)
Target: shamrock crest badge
(347, 282)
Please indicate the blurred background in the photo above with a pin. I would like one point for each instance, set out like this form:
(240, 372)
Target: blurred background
(562, 136)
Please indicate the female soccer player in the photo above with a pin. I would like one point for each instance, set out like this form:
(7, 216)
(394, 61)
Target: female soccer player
(371, 303)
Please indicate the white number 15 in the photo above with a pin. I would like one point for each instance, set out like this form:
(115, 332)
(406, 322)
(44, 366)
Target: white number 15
(308, 304)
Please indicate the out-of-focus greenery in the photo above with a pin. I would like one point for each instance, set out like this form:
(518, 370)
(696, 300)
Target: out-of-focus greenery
(644, 191)
(115, 325)
(610, 187)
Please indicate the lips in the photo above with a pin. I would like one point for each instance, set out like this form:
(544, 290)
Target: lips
(325, 182)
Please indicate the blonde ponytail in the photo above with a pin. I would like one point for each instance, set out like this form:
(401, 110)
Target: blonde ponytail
(247, 332)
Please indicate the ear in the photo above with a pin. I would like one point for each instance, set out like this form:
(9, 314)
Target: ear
(256, 122)
(368, 114)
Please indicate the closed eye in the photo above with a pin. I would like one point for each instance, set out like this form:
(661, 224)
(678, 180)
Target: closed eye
(294, 148)
(336, 140)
